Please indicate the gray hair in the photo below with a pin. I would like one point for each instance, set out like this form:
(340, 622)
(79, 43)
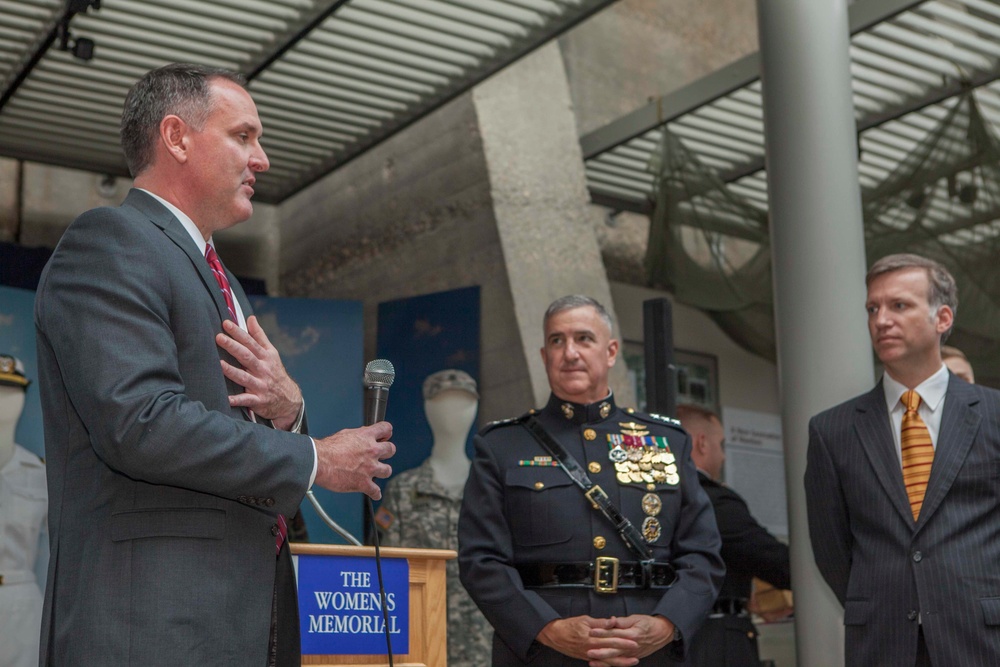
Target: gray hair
(181, 89)
(578, 301)
(941, 291)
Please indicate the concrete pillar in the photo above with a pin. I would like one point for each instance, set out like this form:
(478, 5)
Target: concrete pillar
(410, 217)
(540, 201)
(824, 355)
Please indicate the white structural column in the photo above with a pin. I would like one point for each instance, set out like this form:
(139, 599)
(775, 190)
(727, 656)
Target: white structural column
(817, 240)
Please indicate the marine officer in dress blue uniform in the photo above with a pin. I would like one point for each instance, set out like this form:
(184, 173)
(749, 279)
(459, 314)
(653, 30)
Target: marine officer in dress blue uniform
(555, 578)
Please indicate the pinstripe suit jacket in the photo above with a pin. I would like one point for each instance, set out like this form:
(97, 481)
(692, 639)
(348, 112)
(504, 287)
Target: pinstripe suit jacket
(163, 497)
(892, 573)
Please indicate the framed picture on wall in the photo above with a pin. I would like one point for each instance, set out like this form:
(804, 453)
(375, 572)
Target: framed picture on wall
(635, 365)
(697, 379)
(697, 376)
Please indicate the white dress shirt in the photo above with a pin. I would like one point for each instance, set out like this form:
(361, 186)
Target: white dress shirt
(932, 395)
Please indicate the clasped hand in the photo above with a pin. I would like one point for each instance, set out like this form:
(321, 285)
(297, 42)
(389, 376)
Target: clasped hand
(608, 642)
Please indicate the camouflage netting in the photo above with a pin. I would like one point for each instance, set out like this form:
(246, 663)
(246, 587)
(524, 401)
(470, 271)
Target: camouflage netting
(710, 248)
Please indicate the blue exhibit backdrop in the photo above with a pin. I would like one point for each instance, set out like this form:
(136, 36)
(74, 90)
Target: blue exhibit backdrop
(422, 335)
(320, 342)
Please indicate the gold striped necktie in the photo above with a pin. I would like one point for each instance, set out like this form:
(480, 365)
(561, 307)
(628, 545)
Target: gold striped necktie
(918, 452)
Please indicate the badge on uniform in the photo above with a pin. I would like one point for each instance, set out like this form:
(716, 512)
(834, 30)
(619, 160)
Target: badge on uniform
(651, 529)
(642, 458)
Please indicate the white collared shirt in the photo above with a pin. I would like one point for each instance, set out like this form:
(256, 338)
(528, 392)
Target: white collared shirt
(199, 240)
(932, 394)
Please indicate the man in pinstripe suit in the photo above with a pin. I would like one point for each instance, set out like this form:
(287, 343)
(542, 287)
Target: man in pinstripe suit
(918, 573)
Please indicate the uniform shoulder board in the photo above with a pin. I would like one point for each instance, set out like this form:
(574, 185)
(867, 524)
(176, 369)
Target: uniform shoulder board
(653, 417)
(505, 422)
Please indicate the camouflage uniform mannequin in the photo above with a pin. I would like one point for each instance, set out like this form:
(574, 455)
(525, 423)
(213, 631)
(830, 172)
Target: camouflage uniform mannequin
(421, 506)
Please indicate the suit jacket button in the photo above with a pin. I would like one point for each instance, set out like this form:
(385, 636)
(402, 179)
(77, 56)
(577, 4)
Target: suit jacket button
(917, 556)
(274, 529)
(912, 615)
(269, 502)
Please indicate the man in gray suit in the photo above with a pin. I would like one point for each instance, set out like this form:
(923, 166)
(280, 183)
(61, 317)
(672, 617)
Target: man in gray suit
(167, 499)
(914, 563)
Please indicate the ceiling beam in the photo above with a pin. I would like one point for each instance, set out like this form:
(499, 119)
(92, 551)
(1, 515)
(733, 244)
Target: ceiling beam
(522, 48)
(34, 55)
(862, 15)
(291, 37)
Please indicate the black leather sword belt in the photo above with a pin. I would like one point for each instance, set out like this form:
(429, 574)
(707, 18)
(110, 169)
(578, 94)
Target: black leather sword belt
(604, 575)
(729, 606)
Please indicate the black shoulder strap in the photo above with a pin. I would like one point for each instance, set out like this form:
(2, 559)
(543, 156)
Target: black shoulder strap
(595, 494)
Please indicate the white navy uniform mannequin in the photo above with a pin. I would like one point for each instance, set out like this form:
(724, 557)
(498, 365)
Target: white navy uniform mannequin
(421, 505)
(23, 508)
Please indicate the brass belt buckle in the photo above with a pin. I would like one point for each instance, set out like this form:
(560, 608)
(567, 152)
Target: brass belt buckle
(606, 574)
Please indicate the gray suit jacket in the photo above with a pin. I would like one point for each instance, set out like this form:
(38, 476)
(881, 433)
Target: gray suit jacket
(162, 496)
(892, 573)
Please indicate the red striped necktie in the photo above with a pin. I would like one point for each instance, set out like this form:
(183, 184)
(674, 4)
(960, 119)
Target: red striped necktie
(227, 291)
(917, 450)
(220, 277)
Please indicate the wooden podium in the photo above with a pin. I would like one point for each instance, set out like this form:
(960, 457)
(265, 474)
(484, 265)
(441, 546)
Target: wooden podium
(428, 605)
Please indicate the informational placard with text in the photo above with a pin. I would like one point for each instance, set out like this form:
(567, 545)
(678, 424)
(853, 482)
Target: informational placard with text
(340, 609)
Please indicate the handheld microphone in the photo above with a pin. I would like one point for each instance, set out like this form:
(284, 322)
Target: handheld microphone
(379, 375)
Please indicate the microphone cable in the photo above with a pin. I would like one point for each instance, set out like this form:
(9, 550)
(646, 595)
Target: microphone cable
(381, 585)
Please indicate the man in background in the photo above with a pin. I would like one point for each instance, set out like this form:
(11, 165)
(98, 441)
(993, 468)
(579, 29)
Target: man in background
(958, 363)
(729, 638)
(174, 437)
(901, 488)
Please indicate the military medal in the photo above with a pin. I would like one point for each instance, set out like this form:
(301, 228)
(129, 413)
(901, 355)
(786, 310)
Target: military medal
(616, 453)
(640, 457)
(651, 529)
(651, 504)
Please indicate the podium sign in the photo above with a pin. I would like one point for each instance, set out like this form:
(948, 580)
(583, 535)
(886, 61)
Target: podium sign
(340, 609)
(340, 612)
